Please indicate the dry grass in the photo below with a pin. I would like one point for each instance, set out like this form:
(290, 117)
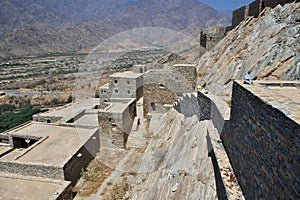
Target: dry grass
(93, 177)
(118, 190)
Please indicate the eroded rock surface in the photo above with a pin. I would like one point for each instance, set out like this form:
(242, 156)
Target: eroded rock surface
(176, 163)
(266, 47)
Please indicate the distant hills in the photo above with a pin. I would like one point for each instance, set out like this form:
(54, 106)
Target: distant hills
(41, 26)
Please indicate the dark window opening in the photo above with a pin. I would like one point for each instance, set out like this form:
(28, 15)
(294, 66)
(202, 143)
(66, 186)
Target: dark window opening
(116, 81)
(128, 82)
(161, 85)
(116, 91)
(105, 100)
(128, 91)
(23, 142)
(48, 121)
(109, 119)
(153, 106)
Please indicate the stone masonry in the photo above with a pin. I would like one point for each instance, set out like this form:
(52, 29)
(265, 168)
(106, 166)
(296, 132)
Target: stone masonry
(254, 9)
(263, 143)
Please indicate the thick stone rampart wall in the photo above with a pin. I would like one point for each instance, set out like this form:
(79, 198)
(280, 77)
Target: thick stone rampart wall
(238, 16)
(263, 146)
(254, 9)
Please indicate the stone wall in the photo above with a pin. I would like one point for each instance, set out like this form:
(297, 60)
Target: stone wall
(45, 119)
(82, 158)
(254, 9)
(155, 96)
(204, 106)
(263, 147)
(66, 194)
(116, 126)
(125, 87)
(238, 16)
(188, 105)
(163, 86)
(211, 36)
(273, 4)
(32, 170)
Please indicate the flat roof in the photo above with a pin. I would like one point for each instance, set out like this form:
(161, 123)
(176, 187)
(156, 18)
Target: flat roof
(126, 74)
(283, 95)
(88, 119)
(117, 107)
(57, 146)
(21, 187)
(71, 110)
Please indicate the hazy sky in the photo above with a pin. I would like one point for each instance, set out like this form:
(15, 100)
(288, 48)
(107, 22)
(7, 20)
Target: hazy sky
(226, 4)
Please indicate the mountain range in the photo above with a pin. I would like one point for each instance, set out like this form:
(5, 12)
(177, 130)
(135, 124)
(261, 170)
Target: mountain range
(40, 26)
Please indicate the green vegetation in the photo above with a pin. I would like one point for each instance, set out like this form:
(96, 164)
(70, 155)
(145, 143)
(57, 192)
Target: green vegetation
(70, 99)
(6, 108)
(9, 120)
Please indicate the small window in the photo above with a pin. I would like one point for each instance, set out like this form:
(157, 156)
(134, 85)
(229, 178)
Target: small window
(128, 82)
(161, 86)
(153, 106)
(116, 81)
(105, 100)
(104, 91)
(48, 121)
(116, 91)
(128, 92)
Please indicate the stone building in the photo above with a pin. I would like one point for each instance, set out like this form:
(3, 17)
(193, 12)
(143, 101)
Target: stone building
(158, 87)
(115, 121)
(164, 86)
(122, 85)
(211, 36)
(118, 105)
(50, 151)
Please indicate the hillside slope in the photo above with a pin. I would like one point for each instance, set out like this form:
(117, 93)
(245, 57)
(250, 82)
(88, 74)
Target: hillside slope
(267, 48)
(181, 15)
(56, 14)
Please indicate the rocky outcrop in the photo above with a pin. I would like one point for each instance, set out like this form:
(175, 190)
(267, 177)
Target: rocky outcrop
(266, 47)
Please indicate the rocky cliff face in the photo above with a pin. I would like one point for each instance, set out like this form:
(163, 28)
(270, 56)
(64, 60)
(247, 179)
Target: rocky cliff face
(267, 48)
